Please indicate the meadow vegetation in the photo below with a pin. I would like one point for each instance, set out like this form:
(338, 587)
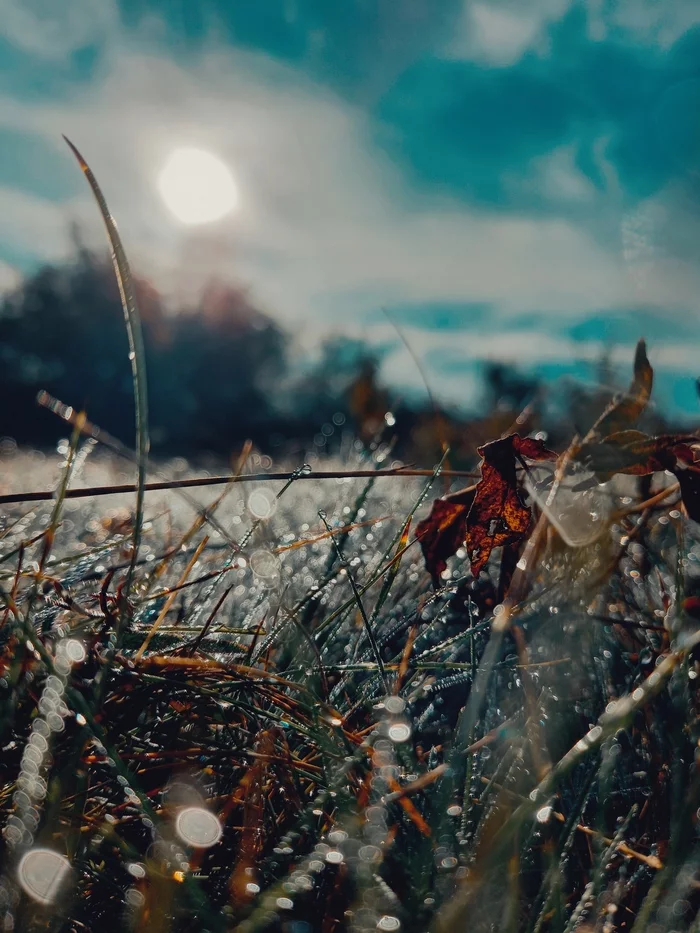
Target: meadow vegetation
(358, 702)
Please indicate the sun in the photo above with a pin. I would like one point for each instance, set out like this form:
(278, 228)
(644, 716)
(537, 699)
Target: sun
(197, 186)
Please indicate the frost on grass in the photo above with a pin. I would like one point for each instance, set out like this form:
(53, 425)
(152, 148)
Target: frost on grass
(289, 725)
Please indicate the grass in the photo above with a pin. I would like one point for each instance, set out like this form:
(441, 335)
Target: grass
(255, 712)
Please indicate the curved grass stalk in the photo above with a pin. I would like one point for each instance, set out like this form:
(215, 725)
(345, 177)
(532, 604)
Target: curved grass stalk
(132, 321)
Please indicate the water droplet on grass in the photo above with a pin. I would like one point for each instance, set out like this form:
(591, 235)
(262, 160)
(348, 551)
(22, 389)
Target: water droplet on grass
(399, 732)
(265, 565)
(261, 503)
(74, 650)
(198, 827)
(394, 704)
(41, 872)
(389, 923)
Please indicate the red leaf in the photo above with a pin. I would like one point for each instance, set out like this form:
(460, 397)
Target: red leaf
(497, 516)
(638, 454)
(632, 452)
(444, 530)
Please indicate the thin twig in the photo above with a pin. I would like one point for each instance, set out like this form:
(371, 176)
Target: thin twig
(118, 489)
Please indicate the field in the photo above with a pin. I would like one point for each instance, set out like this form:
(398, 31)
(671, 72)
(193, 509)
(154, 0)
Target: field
(364, 750)
(353, 701)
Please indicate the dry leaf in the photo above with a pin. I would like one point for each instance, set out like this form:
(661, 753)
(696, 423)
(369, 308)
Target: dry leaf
(444, 530)
(497, 516)
(624, 410)
(632, 452)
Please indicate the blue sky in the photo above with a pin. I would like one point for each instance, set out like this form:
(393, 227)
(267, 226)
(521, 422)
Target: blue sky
(510, 180)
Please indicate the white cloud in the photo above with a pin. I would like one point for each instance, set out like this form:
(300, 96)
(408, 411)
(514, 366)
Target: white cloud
(10, 277)
(555, 177)
(499, 33)
(52, 29)
(650, 21)
(36, 226)
(450, 361)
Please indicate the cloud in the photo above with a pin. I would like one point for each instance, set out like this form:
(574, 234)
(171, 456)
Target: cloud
(53, 30)
(34, 226)
(473, 127)
(10, 277)
(499, 34)
(646, 20)
(453, 362)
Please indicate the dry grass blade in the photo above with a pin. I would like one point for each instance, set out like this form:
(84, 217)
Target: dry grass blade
(169, 601)
(136, 352)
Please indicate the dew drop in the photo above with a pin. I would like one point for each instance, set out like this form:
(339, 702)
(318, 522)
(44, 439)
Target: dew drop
(74, 650)
(399, 732)
(198, 827)
(387, 922)
(41, 872)
(134, 898)
(370, 853)
(54, 722)
(261, 503)
(394, 704)
(265, 565)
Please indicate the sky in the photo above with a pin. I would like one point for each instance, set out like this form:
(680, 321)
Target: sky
(509, 180)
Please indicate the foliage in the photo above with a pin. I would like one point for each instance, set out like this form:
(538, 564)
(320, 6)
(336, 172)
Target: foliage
(220, 372)
(273, 722)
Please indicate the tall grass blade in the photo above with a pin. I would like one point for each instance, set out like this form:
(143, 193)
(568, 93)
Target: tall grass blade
(137, 357)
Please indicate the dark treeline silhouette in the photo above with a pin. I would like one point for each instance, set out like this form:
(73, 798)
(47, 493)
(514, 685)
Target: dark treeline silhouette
(223, 371)
(217, 373)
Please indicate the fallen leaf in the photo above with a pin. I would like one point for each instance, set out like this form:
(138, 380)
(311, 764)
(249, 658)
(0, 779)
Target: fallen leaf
(635, 453)
(638, 454)
(443, 532)
(498, 516)
(625, 409)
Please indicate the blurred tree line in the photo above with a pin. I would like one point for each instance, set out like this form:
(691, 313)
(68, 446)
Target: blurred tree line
(221, 372)
(217, 373)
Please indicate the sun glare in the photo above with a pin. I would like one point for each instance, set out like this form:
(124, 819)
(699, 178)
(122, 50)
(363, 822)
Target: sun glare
(197, 187)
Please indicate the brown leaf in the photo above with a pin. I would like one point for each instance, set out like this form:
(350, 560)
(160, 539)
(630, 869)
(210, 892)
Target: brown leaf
(634, 453)
(444, 530)
(497, 516)
(624, 410)
(637, 454)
